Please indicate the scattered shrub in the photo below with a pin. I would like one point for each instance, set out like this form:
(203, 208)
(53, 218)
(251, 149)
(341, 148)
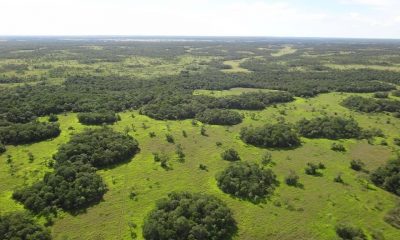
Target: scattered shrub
(230, 155)
(349, 232)
(338, 147)
(388, 176)
(356, 165)
(186, 215)
(247, 181)
(312, 168)
(169, 138)
(393, 217)
(53, 118)
(266, 158)
(292, 179)
(338, 178)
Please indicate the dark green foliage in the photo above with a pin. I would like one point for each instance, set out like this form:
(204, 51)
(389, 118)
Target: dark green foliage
(349, 232)
(266, 158)
(356, 165)
(203, 131)
(388, 176)
(381, 95)
(28, 133)
(98, 147)
(203, 167)
(396, 141)
(371, 105)
(338, 178)
(97, 118)
(292, 179)
(329, 127)
(21, 226)
(312, 169)
(169, 138)
(230, 155)
(247, 180)
(71, 186)
(219, 117)
(396, 114)
(396, 93)
(184, 216)
(53, 118)
(277, 135)
(2, 148)
(338, 147)
(393, 217)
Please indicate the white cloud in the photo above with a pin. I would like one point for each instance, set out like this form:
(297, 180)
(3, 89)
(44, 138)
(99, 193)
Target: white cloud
(192, 17)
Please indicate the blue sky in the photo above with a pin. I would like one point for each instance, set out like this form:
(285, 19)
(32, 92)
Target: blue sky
(299, 18)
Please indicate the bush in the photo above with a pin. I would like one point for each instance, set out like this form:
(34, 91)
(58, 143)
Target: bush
(349, 232)
(97, 118)
(396, 93)
(14, 226)
(338, 178)
(2, 148)
(396, 141)
(230, 155)
(338, 147)
(53, 118)
(247, 181)
(219, 117)
(292, 179)
(329, 127)
(356, 165)
(381, 95)
(99, 147)
(393, 217)
(169, 138)
(29, 132)
(388, 177)
(312, 168)
(185, 215)
(278, 135)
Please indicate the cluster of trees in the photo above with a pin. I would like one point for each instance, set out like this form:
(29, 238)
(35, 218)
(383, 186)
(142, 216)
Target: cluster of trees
(329, 127)
(348, 231)
(21, 226)
(230, 155)
(219, 117)
(388, 176)
(271, 135)
(97, 118)
(186, 215)
(363, 104)
(247, 180)
(29, 132)
(74, 183)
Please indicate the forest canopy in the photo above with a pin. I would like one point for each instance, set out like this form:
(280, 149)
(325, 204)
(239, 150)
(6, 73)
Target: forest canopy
(21, 226)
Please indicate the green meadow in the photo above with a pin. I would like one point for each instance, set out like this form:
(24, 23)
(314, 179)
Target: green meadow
(310, 212)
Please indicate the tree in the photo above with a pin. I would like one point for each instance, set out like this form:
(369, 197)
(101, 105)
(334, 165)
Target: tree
(186, 215)
(247, 181)
(277, 135)
(219, 117)
(388, 176)
(18, 225)
(97, 118)
(53, 118)
(29, 132)
(230, 155)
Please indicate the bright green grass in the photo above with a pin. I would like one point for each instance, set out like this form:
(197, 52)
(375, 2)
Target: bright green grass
(236, 68)
(291, 213)
(395, 68)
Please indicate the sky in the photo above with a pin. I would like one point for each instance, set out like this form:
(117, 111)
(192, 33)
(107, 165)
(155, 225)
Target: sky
(287, 18)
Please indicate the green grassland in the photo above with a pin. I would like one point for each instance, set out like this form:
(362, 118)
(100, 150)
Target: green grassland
(290, 213)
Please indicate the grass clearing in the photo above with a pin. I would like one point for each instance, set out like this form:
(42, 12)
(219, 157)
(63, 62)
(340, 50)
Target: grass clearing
(284, 51)
(236, 68)
(359, 66)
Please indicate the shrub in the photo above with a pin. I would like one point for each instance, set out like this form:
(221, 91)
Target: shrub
(97, 118)
(338, 147)
(2, 148)
(393, 217)
(169, 138)
(230, 155)
(219, 117)
(53, 118)
(388, 176)
(14, 226)
(396, 93)
(329, 127)
(312, 168)
(356, 165)
(381, 95)
(186, 215)
(349, 232)
(99, 147)
(292, 179)
(266, 158)
(278, 135)
(396, 141)
(338, 178)
(247, 181)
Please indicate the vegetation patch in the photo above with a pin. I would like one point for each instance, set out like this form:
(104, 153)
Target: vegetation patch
(388, 176)
(368, 105)
(219, 117)
(97, 118)
(329, 127)
(247, 181)
(347, 231)
(277, 135)
(28, 133)
(15, 226)
(186, 215)
(393, 217)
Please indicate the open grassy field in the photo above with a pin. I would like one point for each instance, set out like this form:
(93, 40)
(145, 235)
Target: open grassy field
(301, 213)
